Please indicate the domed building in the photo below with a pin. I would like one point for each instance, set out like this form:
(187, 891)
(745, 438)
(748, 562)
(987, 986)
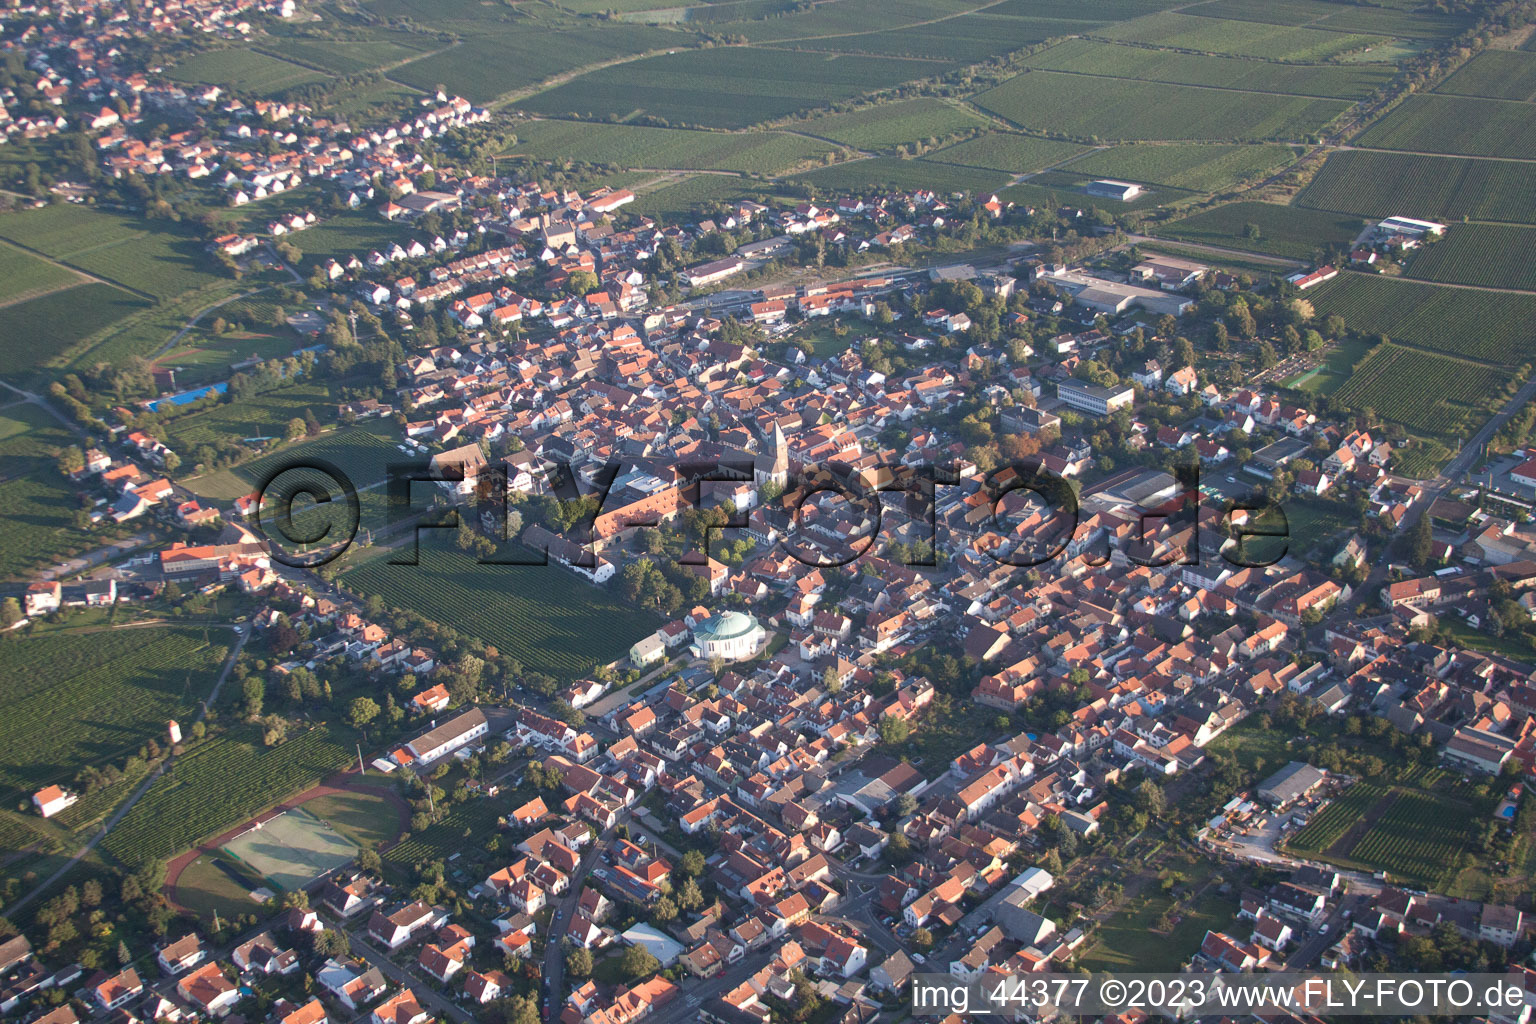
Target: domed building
(729, 635)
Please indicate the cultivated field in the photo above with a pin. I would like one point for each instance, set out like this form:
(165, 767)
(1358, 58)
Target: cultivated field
(1424, 392)
(33, 332)
(1388, 19)
(1007, 153)
(77, 699)
(889, 125)
(499, 57)
(1456, 124)
(667, 148)
(340, 57)
(909, 174)
(1490, 326)
(1113, 108)
(245, 70)
(727, 87)
(23, 275)
(1280, 230)
(1083, 56)
(1384, 184)
(1495, 74)
(544, 616)
(39, 503)
(1242, 38)
(263, 415)
(1198, 168)
(219, 783)
(1493, 255)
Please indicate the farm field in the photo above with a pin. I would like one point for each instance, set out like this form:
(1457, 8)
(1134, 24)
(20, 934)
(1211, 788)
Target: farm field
(677, 200)
(1493, 255)
(1113, 108)
(1083, 56)
(1318, 14)
(1435, 123)
(39, 502)
(1281, 230)
(23, 275)
(889, 125)
(1330, 824)
(965, 40)
(1432, 394)
(219, 783)
(342, 57)
(1198, 168)
(1490, 326)
(544, 616)
(635, 146)
(1494, 74)
(35, 332)
(724, 87)
(363, 453)
(499, 58)
(342, 234)
(263, 415)
(1007, 153)
(245, 70)
(1419, 839)
(1241, 38)
(898, 173)
(162, 261)
(1448, 188)
(117, 688)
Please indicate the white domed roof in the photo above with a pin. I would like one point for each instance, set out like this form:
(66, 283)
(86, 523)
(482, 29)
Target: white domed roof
(727, 626)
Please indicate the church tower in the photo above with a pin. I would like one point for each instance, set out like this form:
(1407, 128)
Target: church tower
(775, 470)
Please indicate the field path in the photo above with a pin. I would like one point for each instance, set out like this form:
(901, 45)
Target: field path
(340, 784)
(85, 273)
(37, 293)
(192, 322)
(138, 794)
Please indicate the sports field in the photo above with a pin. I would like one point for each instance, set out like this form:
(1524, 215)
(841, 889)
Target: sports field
(292, 849)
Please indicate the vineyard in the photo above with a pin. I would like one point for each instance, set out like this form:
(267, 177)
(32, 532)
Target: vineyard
(1436, 123)
(1383, 184)
(637, 146)
(1491, 326)
(1491, 255)
(1419, 839)
(1495, 74)
(1201, 168)
(546, 617)
(1330, 824)
(219, 783)
(892, 124)
(1238, 38)
(1428, 393)
(1266, 227)
(73, 700)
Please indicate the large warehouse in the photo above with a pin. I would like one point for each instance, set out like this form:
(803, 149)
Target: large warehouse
(1290, 784)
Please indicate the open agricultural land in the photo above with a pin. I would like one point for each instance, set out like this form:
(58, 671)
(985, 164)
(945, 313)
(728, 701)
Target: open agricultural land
(1267, 228)
(546, 617)
(73, 699)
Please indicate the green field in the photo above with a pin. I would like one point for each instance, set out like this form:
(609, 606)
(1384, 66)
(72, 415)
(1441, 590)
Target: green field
(678, 200)
(1330, 824)
(1493, 255)
(34, 332)
(1490, 326)
(157, 258)
(1083, 56)
(1007, 153)
(1241, 38)
(544, 616)
(1113, 108)
(724, 87)
(501, 58)
(23, 275)
(633, 146)
(1384, 184)
(1431, 394)
(220, 783)
(1456, 124)
(883, 171)
(77, 699)
(340, 57)
(244, 70)
(966, 40)
(363, 453)
(263, 415)
(1417, 836)
(1198, 168)
(1495, 74)
(889, 125)
(1388, 19)
(1282, 230)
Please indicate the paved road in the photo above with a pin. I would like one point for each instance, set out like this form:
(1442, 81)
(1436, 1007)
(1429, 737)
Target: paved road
(560, 919)
(138, 794)
(417, 983)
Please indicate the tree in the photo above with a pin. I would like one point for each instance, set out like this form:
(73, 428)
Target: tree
(693, 863)
(295, 428)
(1421, 543)
(10, 612)
(665, 911)
(520, 1010)
(638, 962)
(894, 730)
(362, 711)
(906, 805)
(690, 896)
(581, 282)
(578, 963)
(922, 938)
(255, 692)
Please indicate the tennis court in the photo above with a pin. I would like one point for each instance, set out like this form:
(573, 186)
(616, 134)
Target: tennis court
(292, 849)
